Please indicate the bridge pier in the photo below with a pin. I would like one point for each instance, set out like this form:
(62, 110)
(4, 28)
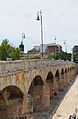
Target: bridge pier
(65, 78)
(38, 98)
(62, 78)
(73, 74)
(46, 96)
(52, 89)
(70, 75)
(3, 107)
(68, 78)
(27, 107)
(56, 85)
(61, 85)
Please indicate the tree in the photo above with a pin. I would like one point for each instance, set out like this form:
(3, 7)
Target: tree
(8, 51)
(50, 57)
(75, 57)
(62, 55)
(15, 53)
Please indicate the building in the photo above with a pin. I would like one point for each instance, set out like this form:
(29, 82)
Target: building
(47, 49)
(50, 48)
(33, 51)
(53, 49)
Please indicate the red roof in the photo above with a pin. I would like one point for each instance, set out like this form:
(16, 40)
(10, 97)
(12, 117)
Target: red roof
(33, 51)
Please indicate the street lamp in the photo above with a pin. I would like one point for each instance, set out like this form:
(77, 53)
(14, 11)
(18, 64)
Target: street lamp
(39, 17)
(65, 43)
(55, 47)
(23, 36)
(21, 46)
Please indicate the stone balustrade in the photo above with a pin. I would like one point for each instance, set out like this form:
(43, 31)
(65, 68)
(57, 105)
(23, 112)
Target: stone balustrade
(20, 65)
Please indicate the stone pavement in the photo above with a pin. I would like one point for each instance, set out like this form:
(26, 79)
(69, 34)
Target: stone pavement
(69, 104)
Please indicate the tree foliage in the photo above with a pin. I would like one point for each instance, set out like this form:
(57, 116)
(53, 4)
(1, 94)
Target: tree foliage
(62, 55)
(8, 51)
(75, 57)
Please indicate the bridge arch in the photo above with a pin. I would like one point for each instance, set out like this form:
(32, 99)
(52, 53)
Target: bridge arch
(50, 83)
(12, 80)
(57, 74)
(36, 91)
(50, 77)
(65, 70)
(62, 73)
(12, 99)
(13, 92)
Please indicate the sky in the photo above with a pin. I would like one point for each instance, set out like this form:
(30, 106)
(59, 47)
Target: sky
(59, 18)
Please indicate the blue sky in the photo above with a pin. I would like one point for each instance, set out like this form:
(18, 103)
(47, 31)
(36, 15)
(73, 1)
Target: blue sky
(60, 19)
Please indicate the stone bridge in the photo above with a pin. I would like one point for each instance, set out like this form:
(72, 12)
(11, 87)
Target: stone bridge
(29, 86)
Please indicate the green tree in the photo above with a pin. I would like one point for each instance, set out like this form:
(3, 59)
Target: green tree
(75, 57)
(4, 49)
(15, 53)
(62, 55)
(8, 51)
(50, 57)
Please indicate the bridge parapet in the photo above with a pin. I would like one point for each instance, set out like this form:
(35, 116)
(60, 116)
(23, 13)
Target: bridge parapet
(24, 65)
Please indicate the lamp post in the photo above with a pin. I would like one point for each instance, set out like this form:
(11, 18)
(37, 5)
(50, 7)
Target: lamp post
(65, 42)
(55, 47)
(21, 46)
(39, 17)
(23, 36)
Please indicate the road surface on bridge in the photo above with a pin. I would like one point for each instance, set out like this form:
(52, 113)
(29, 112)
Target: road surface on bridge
(69, 104)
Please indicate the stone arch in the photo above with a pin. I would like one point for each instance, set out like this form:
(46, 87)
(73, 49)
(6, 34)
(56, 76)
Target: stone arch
(50, 83)
(62, 73)
(50, 77)
(36, 91)
(65, 70)
(36, 81)
(13, 91)
(13, 100)
(11, 80)
(57, 75)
